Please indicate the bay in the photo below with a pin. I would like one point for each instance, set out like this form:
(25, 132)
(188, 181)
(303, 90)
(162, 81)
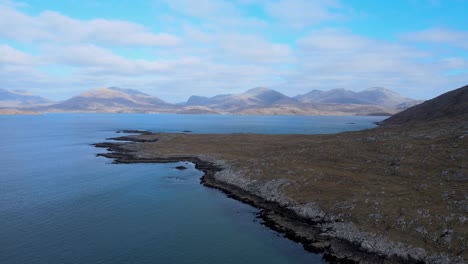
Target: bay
(59, 203)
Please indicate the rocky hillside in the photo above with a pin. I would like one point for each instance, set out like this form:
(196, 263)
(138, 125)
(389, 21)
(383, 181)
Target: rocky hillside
(453, 105)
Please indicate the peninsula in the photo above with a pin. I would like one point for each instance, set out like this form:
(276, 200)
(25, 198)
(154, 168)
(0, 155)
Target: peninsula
(394, 194)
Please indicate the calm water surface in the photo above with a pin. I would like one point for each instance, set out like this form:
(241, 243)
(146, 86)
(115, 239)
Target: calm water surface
(61, 204)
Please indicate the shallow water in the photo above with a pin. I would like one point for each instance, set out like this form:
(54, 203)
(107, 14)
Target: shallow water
(59, 203)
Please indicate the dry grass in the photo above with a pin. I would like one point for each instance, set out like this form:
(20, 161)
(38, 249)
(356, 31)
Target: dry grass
(410, 183)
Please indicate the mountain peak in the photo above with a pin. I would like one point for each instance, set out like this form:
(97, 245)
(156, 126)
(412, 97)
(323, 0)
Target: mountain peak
(372, 96)
(112, 99)
(266, 96)
(127, 91)
(258, 90)
(252, 98)
(381, 89)
(101, 93)
(109, 92)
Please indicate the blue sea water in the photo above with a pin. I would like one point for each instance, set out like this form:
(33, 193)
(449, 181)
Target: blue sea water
(59, 203)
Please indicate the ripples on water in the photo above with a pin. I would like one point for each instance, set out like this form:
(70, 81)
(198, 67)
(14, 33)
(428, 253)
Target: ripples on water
(61, 204)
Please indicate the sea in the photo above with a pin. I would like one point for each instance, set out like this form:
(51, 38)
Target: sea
(60, 203)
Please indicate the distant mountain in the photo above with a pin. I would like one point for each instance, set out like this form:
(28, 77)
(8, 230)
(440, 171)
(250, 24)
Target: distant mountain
(453, 105)
(253, 98)
(374, 96)
(317, 109)
(111, 99)
(335, 96)
(373, 101)
(17, 98)
(265, 101)
(196, 100)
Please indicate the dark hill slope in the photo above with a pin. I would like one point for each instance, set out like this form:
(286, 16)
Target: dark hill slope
(453, 104)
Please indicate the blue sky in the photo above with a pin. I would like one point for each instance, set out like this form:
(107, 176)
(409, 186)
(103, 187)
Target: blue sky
(176, 48)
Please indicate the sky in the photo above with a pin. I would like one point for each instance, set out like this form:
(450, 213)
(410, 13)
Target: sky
(176, 48)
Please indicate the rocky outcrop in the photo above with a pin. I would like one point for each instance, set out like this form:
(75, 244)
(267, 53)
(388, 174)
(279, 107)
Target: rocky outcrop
(319, 231)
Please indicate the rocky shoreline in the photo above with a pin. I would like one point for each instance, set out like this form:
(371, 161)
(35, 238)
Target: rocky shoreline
(317, 231)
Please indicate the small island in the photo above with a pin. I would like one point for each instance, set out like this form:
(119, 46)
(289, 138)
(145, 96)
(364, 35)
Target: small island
(394, 194)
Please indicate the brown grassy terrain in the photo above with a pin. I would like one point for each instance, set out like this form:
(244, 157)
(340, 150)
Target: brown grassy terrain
(409, 183)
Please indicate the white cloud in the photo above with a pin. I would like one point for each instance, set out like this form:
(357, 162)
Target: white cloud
(203, 8)
(441, 36)
(233, 47)
(337, 58)
(250, 49)
(217, 16)
(51, 26)
(303, 13)
(342, 50)
(225, 51)
(223, 14)
(208, 78)
(455, 63)
(11, 56)
(18, 69)
(91, 59)
(12, 3)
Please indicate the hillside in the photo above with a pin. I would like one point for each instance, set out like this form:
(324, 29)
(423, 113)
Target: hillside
(374, 101)
(373, 96)
(259, 101)
(111, 99)
(393, 194)
(16, 98)
(452, 105)
(253, 98)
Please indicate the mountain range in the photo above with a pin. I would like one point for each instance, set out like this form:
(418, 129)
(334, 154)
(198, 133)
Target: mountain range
(373, 101)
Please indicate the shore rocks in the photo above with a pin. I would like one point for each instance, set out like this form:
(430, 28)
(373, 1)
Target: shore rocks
(265, 182)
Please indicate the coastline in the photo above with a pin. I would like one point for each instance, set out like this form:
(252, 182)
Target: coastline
(318, 232)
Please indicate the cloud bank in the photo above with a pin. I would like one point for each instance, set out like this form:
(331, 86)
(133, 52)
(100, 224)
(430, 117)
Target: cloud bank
(211, 47)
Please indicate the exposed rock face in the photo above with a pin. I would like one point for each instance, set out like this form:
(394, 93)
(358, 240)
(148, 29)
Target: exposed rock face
(387, 250)
(452, 105)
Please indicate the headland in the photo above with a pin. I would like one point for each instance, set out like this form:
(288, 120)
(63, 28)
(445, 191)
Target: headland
(394, 194)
